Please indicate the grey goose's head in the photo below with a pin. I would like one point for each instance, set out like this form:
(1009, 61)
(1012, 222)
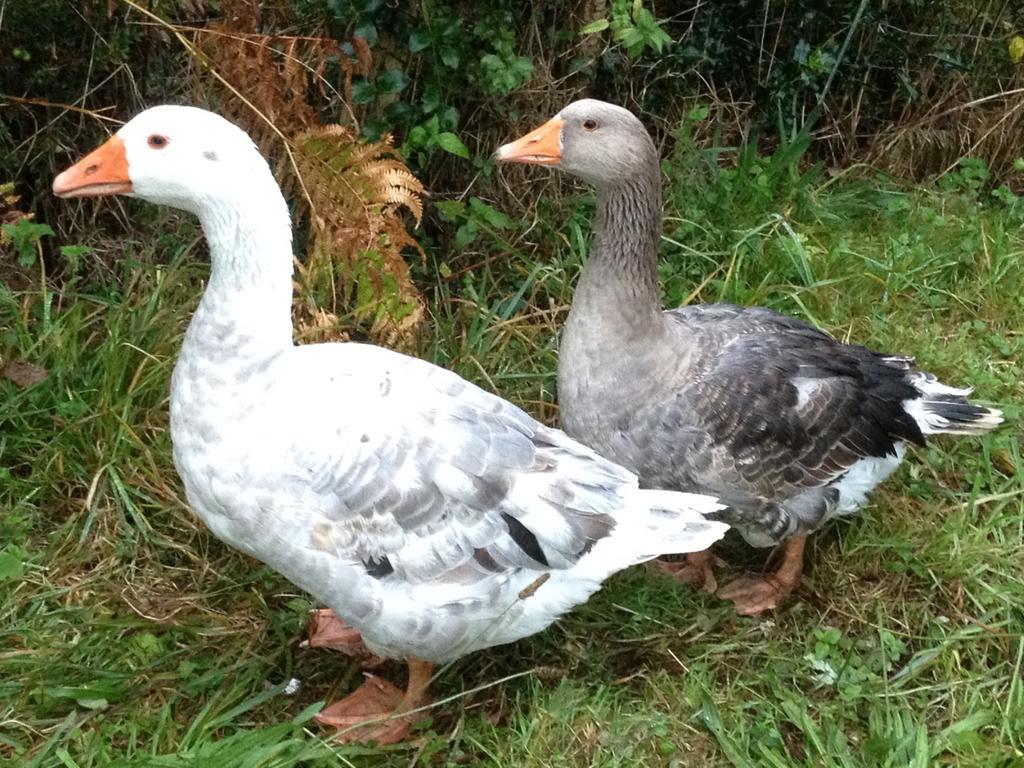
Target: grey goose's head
(596, 141)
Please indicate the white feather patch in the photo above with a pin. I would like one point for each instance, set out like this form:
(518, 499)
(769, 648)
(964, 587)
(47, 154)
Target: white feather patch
(862, 478)
(927, 412)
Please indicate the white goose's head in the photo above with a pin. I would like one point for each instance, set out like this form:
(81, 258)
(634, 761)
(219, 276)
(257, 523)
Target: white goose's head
(184, 157)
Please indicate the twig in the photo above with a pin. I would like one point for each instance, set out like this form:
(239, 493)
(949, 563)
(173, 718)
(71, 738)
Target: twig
(60, 105)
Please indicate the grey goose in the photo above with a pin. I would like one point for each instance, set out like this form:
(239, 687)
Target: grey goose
(785, 424)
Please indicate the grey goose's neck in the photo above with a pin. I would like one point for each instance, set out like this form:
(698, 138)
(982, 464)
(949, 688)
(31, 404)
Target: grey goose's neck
(620, 279)
(245, 313)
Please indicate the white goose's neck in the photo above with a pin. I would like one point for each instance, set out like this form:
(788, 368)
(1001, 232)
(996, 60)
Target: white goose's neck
(245, 313)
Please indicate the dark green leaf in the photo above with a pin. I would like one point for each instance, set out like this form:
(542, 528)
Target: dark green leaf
(449, 142)
(466, 234)
(368, 32)
(595, 26)
(74, 251)
(392, 81)
(419, 40)
(451, 209)
(490, 215)
(363, 91)
(449, 57)
(11, 566)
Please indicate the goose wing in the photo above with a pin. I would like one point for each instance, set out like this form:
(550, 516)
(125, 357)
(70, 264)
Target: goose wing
(781, 406)
(424, 474)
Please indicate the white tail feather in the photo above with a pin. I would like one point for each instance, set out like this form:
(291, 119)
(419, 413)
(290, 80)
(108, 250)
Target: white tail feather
(943, 409)
(928, 415)
(655, 523)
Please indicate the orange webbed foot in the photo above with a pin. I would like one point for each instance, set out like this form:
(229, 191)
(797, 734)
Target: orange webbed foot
(697, 570)
(753, 595)
(326, 630)
(378, 711)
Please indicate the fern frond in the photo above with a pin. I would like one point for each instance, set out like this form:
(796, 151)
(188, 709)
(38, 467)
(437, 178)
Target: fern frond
(349, 192)
(400, 187)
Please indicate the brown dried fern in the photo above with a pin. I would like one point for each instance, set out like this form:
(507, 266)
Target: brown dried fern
(358, 233)
(350, 192)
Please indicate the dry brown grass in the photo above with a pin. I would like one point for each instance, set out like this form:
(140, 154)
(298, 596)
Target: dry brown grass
(950, 121)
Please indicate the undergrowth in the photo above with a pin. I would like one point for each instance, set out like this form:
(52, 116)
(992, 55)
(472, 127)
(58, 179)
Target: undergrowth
(130, 637)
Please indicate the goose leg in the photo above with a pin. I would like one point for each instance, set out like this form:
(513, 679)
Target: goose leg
(755, 594)
(326, 630)
(377, 710)
(697, 569)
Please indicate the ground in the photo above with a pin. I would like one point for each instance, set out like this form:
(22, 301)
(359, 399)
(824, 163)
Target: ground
(128, 636)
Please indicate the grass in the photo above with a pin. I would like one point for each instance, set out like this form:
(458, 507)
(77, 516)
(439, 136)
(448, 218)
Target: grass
(129, 637)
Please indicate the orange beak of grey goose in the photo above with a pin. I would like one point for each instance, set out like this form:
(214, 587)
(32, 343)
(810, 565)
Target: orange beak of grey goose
(104, 171)
(542, 146)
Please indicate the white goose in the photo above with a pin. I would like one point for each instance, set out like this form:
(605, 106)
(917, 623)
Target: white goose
(435, 518)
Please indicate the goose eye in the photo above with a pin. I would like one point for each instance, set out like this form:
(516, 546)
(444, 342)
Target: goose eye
(156, 141)
(590, 125)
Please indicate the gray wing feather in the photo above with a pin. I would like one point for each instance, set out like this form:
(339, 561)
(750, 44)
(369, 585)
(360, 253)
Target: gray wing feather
(769, 411)
(452, 479)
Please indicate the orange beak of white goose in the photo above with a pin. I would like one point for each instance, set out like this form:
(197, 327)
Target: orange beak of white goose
(542, 146)
(104, 171)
